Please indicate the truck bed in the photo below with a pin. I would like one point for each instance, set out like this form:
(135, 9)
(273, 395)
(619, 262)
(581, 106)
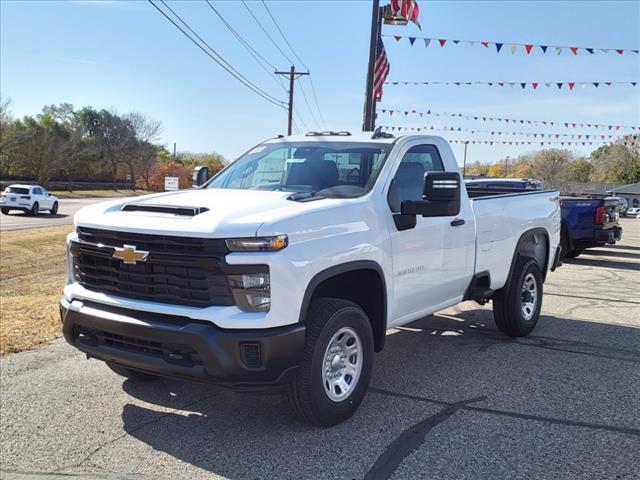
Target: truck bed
(502, 217)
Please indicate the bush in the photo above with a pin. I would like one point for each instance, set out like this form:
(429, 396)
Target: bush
(166, 169)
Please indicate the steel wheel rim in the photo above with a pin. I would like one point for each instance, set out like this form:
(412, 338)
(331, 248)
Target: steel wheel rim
(529, 297)
(342, 364)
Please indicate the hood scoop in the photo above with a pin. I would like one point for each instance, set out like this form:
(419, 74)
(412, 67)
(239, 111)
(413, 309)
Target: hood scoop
(166, 209)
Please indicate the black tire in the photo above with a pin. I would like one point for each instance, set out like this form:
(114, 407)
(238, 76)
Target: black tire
(129, 373)
(574, 253)
(306, 394)
(5, 211)
(54, 209)
(508, 301)
(34, 209)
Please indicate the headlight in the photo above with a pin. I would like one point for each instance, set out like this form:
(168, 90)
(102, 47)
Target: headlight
(257, 244)
(70, 275)
(251, 291)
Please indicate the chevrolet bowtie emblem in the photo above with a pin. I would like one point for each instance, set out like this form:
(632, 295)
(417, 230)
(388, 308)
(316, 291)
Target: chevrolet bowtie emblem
(129, 254)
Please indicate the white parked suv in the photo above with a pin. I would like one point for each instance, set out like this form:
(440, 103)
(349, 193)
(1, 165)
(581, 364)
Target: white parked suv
(30, 199)
(286, 269)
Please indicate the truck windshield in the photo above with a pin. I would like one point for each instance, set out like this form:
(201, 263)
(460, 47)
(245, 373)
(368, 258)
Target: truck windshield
(325, 168)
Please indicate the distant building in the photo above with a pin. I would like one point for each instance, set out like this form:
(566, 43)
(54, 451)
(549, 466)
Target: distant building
(629, 192)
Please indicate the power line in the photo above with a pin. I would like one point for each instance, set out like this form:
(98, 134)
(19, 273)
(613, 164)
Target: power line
(315, 96)
(215, 56)
(267, 33)
(282, 34)
(304, 96)
(252, 51)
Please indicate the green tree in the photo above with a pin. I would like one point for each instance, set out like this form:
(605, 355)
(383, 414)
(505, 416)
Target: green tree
(578, 170)
(549, 166)
(617, 163)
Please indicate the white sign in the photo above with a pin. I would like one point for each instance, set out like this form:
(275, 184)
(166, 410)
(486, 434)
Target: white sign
(171, 184)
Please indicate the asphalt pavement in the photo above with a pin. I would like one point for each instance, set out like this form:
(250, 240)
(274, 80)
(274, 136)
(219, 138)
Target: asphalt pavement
(67, 208)
(450, 398)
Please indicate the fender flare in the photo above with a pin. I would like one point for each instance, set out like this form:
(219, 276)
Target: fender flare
(533, 231)
(330, 272)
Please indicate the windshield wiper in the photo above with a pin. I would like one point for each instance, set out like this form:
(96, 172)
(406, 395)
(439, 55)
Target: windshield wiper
(305, 196)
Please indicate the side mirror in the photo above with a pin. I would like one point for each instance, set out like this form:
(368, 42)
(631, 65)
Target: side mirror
(441, 196)
(200, 176)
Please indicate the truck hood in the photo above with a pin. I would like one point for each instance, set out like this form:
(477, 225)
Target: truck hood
(220, 213)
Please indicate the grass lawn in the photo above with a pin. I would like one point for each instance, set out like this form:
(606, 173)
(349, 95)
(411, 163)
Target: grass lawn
(99, 193)
(32, 275)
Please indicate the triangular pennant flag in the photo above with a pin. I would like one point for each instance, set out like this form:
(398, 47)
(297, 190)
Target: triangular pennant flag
(559, 86)
(471, 43)
(513, 49)
(571, 85)
(604, 50)
(523, 85)
(498, 47)
(412, 40)
(634, 83)
(590, 50)
(442, 41)
(485, 44)
(635, 51)
(559, 50)
(620, 51)
(427, 41)
(501, 84)
(397, 37)
(534, 85)
(456, 42)
(574, 50)
(595, 84)
(528, 48)
(547, 84)
(544, 48)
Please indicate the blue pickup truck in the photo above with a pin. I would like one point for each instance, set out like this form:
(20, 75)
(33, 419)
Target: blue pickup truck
(587, 221)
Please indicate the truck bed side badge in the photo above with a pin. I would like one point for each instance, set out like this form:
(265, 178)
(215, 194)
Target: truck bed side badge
(129, 254)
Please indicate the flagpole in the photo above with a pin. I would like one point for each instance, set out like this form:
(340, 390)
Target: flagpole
(369, 100)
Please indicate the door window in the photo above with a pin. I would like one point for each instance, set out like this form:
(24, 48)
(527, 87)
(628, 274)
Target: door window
(37, 191)
(408, 182)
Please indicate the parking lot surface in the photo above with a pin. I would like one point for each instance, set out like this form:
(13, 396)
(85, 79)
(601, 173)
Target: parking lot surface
(450, 398)
(18, 220)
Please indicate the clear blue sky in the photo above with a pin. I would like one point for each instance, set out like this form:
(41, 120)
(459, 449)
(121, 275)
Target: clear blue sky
(127, 57)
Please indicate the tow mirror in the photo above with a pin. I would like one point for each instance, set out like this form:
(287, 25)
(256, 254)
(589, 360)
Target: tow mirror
(440, 197)
(200, 176)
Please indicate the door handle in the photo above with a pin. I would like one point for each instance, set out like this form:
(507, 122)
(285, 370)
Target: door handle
(456, 222)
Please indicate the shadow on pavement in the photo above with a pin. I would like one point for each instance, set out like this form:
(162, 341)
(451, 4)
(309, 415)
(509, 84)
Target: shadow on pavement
(611, 253)
(595, 262)
(433, 372)
(44, 215)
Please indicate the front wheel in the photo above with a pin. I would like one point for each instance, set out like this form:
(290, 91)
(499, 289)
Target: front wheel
(516, 306)
(574, 253)
(336, 368)
(54, 209)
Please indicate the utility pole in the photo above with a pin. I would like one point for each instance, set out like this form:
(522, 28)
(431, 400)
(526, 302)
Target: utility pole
(368, 124)
(464, 164)
(174, 151)
(292, 76)
(506, 167)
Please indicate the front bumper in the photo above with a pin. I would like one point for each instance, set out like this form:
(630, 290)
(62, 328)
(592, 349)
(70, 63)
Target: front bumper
(179, 347)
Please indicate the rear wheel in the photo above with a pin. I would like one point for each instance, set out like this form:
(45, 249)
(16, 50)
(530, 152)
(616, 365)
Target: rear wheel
(516, 306)
(5, 211)
(54, 209)
(338, 358)
(129, 373)
(34, 209)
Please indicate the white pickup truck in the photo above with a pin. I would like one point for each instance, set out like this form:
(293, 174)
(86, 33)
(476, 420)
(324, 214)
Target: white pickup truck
(286, 269)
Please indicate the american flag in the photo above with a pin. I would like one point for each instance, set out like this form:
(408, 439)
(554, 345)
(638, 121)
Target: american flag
(381, 69)
(406, 8)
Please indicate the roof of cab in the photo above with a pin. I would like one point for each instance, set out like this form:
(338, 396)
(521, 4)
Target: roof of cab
(345, 137)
